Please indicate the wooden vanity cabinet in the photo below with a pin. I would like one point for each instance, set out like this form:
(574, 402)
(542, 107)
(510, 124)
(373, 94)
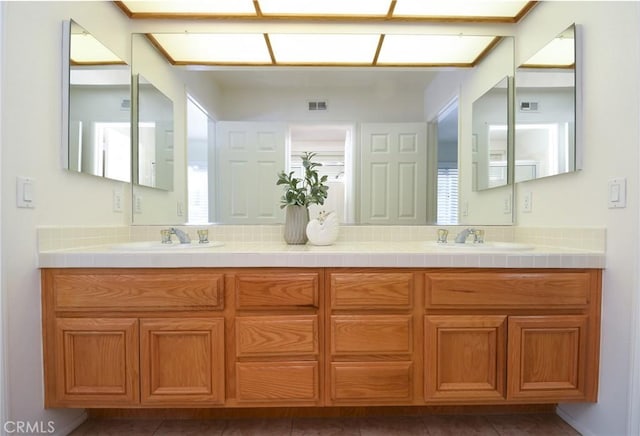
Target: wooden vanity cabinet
(133, 338)
(286, 337)
(517, 335)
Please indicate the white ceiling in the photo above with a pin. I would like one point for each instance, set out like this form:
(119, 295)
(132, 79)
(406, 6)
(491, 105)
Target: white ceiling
(321, 78)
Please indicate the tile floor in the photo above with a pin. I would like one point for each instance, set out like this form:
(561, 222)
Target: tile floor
(427, 425)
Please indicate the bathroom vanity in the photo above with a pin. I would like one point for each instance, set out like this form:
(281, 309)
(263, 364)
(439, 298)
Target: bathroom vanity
(327, 335)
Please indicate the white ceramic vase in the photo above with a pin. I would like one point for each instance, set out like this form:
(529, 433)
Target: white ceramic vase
(324, 229)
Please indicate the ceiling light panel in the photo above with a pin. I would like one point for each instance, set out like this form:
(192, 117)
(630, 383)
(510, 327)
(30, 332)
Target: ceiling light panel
(458, 8)
(318, 49)
(192, 7)
(432, 49)
(334, 8)
(215, 48)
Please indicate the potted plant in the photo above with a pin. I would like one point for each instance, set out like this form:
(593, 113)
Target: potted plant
(298, 195)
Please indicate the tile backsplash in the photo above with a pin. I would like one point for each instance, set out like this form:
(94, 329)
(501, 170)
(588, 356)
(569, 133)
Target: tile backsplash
(60, 238)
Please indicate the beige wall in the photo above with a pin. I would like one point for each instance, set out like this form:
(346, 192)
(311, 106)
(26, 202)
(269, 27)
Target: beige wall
(610, 136)
(31, 95)
(31, 132)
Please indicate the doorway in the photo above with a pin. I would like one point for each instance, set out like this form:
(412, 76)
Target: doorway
(333, 145)
(447, 193)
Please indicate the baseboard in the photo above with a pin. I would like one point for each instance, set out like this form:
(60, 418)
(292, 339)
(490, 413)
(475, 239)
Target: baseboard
(71, 426)
(573, 423)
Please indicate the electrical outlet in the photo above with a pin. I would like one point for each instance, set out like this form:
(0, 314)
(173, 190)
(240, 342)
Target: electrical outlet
(506, 207)
(465, 208)
(137, 203)
(527, 202)
(180, 208)
(117, 199)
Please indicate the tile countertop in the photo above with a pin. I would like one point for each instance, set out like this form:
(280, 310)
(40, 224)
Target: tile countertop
(342, 254)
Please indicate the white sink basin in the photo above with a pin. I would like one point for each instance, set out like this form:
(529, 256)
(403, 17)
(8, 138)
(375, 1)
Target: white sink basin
(485, 246)
(158, 246)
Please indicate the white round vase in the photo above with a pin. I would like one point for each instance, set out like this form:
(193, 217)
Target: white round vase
(323, 230)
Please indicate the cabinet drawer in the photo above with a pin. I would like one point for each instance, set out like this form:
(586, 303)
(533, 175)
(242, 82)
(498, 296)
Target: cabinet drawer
(391, 381)
(138, 291)
(372, 290)
(281, 289)
(371, 334)
(507, 289)
(276, 335)
(277, 381)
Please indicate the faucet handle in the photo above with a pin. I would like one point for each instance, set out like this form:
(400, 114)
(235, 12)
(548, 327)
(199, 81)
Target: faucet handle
(478, 236)
(442, 236)
(165, 235)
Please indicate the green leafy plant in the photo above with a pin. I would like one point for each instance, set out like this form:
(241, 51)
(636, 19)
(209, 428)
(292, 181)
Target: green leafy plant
(303, 192)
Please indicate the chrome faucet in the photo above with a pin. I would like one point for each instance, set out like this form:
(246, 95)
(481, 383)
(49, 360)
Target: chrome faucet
(183, 237)
(461, 238)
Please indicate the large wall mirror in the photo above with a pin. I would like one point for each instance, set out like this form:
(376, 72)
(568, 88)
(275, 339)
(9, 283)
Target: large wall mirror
(491, 136)
(154, 138)
(96, 107)
(368, 125)
(545, 112)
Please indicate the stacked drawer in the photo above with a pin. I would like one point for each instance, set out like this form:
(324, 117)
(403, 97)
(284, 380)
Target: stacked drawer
(277, 338)
(371, 338)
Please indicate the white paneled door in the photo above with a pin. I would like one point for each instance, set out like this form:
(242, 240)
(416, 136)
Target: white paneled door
(250, 155)
(393, 188)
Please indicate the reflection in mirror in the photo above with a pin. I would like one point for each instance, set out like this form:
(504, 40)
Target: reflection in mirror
(153, 143)
(96, 107)
(199, 141)
(391, 175)
(545, 135)
(446, 193)
(490, 137)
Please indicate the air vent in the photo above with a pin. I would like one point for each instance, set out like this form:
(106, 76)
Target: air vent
(528, 106)
(318, 105)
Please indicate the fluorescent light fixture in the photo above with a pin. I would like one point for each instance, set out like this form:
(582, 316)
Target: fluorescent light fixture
(458, 8)
(559, 52)
(192, 7)
(432, 49)
(324, 48)
(85, 49)
(332, 8)
(215, 48)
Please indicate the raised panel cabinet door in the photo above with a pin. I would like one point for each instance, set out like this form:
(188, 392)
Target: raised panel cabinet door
(465, 357)
(547, 358)
(182, 361)
(96, 362)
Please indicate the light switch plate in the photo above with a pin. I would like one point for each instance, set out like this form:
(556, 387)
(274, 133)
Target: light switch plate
(25, 196)
(617, 193)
